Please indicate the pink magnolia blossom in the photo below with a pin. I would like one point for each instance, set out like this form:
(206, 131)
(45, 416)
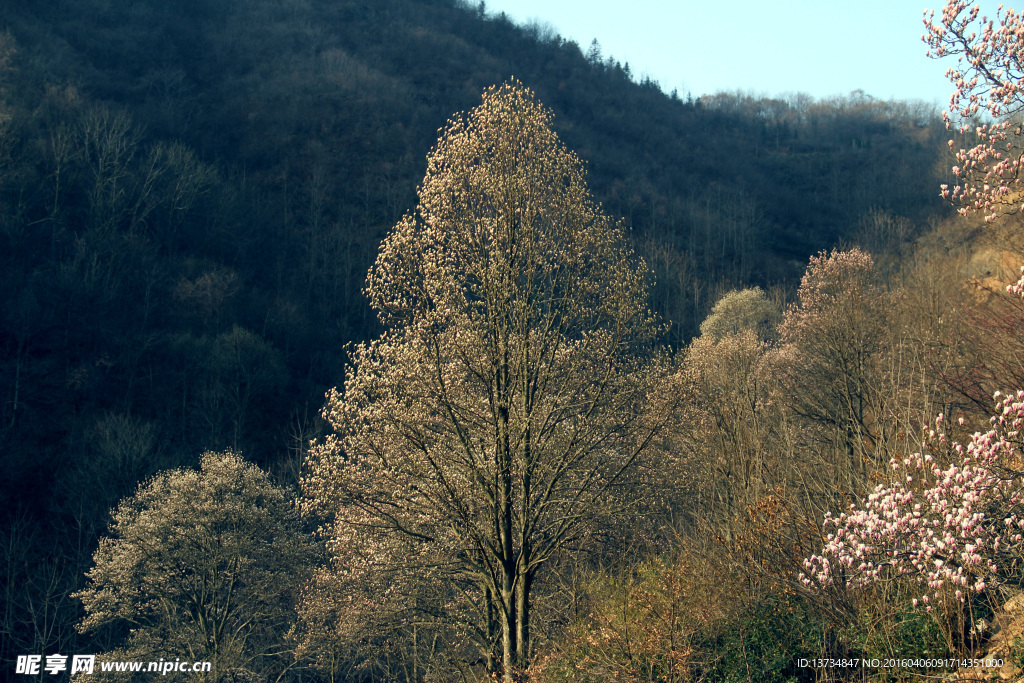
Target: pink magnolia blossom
(958, 525)
(987, 78)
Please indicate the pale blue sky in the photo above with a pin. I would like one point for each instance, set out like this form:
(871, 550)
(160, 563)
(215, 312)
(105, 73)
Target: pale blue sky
(820, 47)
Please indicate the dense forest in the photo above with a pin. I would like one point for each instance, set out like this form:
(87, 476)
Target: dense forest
(191, 197)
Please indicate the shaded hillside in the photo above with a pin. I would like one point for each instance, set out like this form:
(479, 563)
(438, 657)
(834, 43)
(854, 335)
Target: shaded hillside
(359, 89)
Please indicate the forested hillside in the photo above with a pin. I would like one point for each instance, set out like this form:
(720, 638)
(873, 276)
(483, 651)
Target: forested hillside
(192, 193)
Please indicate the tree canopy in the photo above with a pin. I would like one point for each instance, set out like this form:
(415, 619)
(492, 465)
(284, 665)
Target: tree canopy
(202, 564)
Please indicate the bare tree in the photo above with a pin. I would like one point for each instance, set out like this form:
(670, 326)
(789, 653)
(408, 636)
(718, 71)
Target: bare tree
(497, 420)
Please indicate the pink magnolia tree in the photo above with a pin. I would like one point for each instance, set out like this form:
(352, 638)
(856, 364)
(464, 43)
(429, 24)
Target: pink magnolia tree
(952, 518)
(988, 83)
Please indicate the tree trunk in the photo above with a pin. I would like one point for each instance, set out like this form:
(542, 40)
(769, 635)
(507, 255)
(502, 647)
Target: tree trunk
(523, 614)
(508, 631)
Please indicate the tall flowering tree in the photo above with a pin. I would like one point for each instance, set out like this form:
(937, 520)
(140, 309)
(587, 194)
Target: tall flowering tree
(987, 101)
(952, 518)
(496, 420)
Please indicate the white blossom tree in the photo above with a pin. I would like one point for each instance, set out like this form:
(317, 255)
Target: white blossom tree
(202, 565)
(498, 418)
